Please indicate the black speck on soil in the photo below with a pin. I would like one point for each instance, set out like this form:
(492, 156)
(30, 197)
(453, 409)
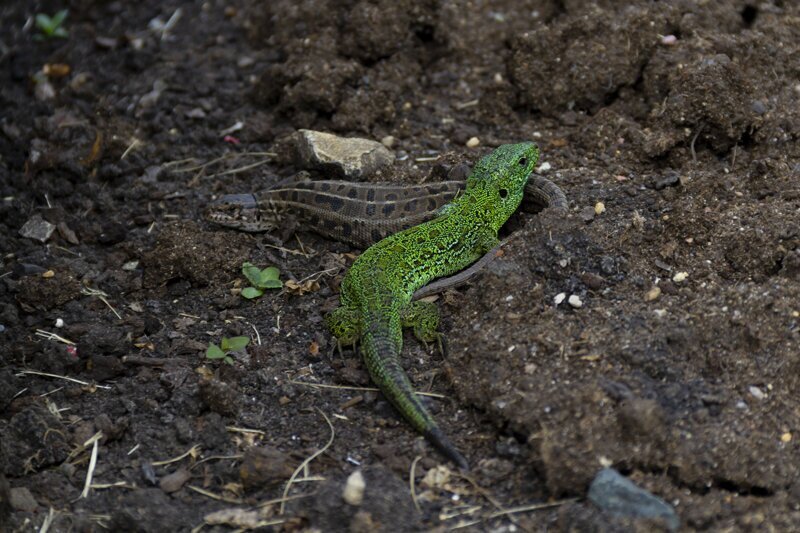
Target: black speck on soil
(682, 118)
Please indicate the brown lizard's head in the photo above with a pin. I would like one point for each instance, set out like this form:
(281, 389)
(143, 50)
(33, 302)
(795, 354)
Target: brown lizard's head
(238, 211)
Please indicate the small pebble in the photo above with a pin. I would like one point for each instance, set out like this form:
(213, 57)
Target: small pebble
(473, 142)
(354, 488)
(544, 167)
(786, 437)
(38, 229)
(757, 393)
(575, 301)
(559, 298)
(59, 323)
(49, 274)
(130, 266)
(587, 214)
(196, 112)
(498, 78)
(669, 40)
(660, 313)
(652, 294)
(388, 141)
(599, 208)
(680, 276)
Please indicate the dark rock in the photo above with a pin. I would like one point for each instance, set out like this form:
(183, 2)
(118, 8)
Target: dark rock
(265, 467)
(23, 500)
(175, 481)
(617, 495)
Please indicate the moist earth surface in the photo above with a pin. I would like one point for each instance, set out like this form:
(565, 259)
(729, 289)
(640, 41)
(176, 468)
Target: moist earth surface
(654, 329)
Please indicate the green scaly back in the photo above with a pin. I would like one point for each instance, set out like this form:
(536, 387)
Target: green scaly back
(376, 292)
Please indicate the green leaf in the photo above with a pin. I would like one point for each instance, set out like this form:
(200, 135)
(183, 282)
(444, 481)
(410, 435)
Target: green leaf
(214, 352)
(44, 23)
(234, 344)
(60, 32)
(270, 273)
(59, 17)
(251, 292)
(251, 272)
(272, 284)
(228, 360)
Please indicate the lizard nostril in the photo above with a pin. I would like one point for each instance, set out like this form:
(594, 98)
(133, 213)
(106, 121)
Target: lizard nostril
(523, 161)
(503, 193)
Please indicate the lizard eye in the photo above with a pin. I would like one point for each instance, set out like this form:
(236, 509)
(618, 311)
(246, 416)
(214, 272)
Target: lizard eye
(503, 193)
(523, 161)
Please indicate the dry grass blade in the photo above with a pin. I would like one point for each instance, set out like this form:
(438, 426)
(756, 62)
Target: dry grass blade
(92, 464)
(47, 374)
(412, 482)
(48, 521)
(367, 389)
(102, 296)
(533, 507)
(194, 451)
(304, 465)
(52, 336)
(213, 496)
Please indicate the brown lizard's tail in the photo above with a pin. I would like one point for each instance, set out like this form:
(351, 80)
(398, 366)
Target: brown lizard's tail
(381, 346)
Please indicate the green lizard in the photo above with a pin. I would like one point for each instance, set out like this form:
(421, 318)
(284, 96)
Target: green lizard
(376, 293)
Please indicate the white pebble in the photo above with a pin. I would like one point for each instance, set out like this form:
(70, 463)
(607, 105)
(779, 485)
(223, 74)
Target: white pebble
(354, 488)
(757, 393)
(544, 167)
(559, 297)
(473, 142)
(59, 323)
(669, 40)
(680, 276)
(388, 141)
(575, 301)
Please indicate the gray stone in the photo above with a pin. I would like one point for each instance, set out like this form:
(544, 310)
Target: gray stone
(37, 228)
(617, 495)
(23, 500)
(345, 157)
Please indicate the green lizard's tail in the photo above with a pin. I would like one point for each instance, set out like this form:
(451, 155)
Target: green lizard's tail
(381, 345)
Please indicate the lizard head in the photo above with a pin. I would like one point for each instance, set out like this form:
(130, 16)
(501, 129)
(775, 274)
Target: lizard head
(238, 211)
(500, 178)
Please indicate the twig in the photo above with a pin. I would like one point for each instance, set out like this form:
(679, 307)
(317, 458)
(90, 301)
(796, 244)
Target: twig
(305, 463)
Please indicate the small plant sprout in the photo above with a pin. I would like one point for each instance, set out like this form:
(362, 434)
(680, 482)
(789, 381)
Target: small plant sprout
(228, 345)
(51, 26)
(261, 280)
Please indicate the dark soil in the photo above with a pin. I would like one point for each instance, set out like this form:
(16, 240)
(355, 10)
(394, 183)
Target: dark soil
(682, 118)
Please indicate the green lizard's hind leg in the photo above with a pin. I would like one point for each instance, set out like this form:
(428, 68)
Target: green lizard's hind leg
(423, 317)
(343, 323)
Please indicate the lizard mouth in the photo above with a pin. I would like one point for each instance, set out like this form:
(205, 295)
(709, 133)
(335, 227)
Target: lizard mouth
(232, 209)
